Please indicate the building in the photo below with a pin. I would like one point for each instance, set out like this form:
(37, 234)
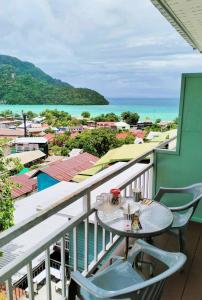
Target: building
(121, 126)
(30, 144)
(105, 124)
(7, 123)
(28, 158)
(23, 186)
(11, 133)
(63, 170)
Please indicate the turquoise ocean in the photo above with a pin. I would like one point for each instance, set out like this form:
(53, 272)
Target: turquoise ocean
(165, 109)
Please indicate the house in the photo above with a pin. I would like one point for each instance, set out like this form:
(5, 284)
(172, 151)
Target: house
(121, 126)
(49, 136)
(120, 154)
(23, 186)
(11, 133)
(28, 158)
(146, 123)
(91, 123)
(36, 131)
(63, 170)
(105, 124)
(30, 144)
(7, 123)
(75, 152)
(137, 133)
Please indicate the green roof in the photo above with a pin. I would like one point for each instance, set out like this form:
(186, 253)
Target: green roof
(23, 171)
(123, 153)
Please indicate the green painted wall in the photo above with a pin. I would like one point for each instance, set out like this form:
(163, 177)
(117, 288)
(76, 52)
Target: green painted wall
(184, 166)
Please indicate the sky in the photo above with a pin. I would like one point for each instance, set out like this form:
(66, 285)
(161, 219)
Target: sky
(121, 48)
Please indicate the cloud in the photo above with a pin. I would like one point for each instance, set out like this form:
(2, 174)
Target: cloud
(120, 48)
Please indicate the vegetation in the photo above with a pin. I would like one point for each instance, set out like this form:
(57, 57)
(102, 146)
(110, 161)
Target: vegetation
(6, 201)
(56, 118)
(85, 114)
(130, 117)
(23, 83)
(98, 141)
(110, 117)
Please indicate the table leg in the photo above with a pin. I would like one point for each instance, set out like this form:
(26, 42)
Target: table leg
(126, 247)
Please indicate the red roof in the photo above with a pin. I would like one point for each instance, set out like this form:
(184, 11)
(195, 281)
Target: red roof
(66, 169)
(26, 185)
(49, 137)
(138, 133)
(122, 135)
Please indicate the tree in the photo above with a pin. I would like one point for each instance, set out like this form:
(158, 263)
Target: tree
(158, 121)
(98, 141)
(130, 117)
(31, 115)
(6, 201)
(85, 114)
(109, 117)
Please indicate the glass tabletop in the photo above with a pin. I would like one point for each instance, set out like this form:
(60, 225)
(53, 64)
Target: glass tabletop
(154, 218)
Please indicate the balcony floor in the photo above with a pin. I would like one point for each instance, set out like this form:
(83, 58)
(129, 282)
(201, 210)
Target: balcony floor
(185, 285)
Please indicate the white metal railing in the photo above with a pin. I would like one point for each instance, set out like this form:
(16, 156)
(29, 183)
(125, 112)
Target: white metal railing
(142, 180)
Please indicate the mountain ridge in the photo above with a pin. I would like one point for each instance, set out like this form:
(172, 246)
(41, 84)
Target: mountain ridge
(21, 82)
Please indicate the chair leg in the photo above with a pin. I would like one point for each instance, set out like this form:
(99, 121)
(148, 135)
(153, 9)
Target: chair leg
(182, 241)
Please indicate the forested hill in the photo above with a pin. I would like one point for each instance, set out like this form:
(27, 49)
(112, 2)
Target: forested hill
(24, 83)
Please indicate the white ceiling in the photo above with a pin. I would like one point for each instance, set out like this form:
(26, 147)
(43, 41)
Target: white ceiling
(185, 16)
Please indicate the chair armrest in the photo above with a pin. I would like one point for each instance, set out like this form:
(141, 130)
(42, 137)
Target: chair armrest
(163, 190)
(86, 284)
(168, 258)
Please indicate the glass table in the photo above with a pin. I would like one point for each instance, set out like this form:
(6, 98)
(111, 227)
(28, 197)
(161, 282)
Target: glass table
(154, 218)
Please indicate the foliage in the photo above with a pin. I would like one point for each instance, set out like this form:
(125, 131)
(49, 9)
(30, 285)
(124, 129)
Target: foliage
(6, 201)
(109, 117)
(98, 141)
(56, 150)
(130, 117)
(23, 83)
(6, 113)
(85, 114)
(56, 118)
(157, 121)
(31, 115)
(61, 139)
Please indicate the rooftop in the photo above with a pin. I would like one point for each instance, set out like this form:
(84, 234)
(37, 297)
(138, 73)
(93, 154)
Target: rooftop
(66, 169)
(25, 185)
(11, 132)
(27, 156)
(186, 17)
(30, 140)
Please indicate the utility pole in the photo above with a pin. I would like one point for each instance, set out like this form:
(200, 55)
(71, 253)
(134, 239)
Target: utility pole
(25, 124)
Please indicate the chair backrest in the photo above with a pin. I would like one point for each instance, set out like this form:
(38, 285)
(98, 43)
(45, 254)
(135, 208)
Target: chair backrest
(153, 287)
(150, 289)
(196, 191)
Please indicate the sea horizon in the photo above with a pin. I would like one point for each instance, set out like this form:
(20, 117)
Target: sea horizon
(153, 108)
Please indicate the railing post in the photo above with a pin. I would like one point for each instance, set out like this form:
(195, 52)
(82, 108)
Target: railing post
(86, 208)
(9, 289)
(30, 281)
(63, 268)
(48, 275)
(150, 176)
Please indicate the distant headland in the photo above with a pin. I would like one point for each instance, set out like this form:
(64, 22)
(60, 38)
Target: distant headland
(24, 83)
